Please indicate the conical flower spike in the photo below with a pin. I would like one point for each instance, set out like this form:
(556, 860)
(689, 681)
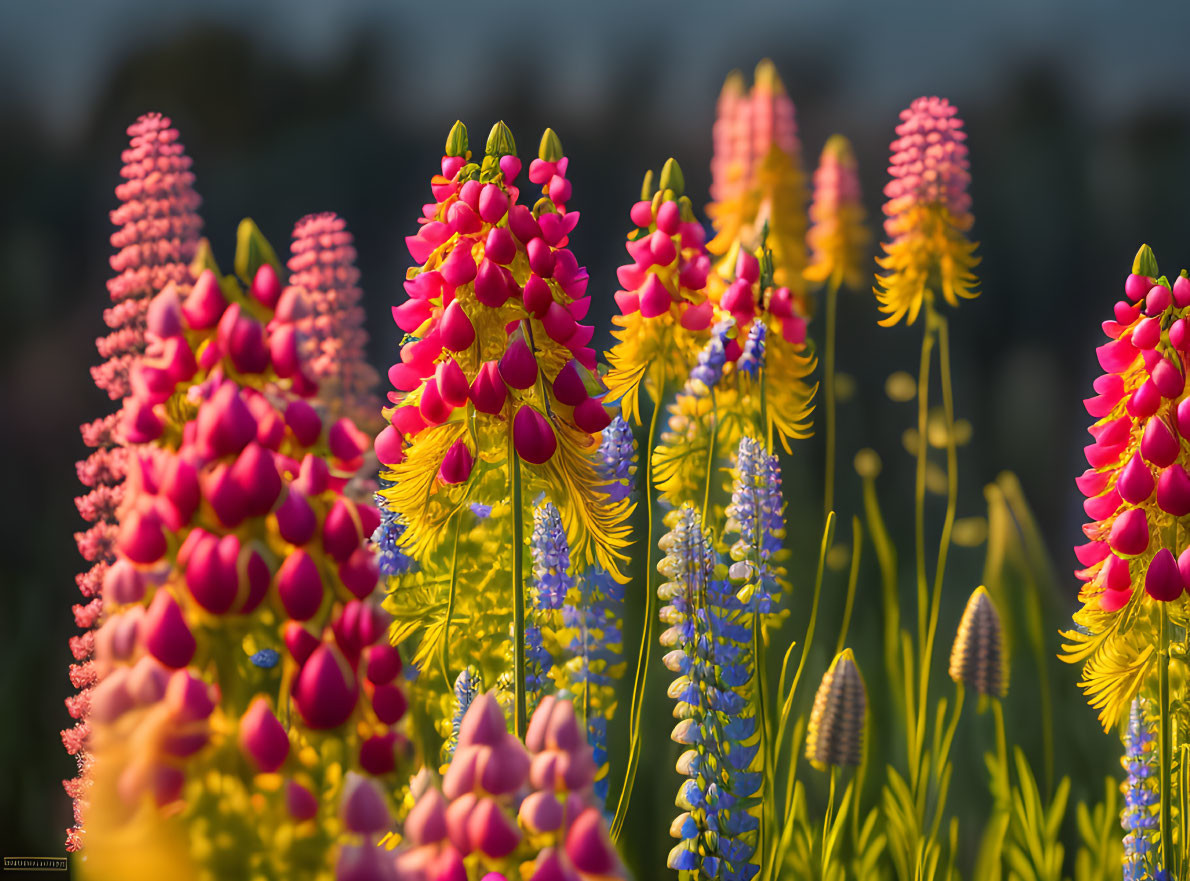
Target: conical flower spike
(928, 214)
(838, 237)
(835, 734)
(977, 656)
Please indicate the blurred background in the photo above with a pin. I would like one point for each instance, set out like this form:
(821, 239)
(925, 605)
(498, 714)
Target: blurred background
(1079, 126)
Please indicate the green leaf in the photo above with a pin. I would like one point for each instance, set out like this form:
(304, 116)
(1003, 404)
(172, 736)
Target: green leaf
(253, 251)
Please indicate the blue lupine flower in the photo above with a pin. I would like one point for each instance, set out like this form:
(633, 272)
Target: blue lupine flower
(756, 516)
(550, 584)
(467, 686)
(752, 358)
(392, 560)
(709, 370)
(709, 638)
(266, 659)
(1139, 817)
(617, 459)
(482, 511)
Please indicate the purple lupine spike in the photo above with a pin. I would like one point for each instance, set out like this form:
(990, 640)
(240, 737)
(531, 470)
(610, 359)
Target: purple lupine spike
(156, 237)
(322, 266)
(1138, 818)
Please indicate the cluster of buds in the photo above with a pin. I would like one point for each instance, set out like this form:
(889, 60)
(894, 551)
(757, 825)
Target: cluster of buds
(497, 361)
(927, 215)
(156, 237)
(1137, 487)
(664, 310)
(747, 300)
(503, 804)
(322, 268)
(235, 531)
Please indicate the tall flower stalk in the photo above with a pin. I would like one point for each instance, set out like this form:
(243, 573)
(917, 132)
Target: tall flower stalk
(157, 235)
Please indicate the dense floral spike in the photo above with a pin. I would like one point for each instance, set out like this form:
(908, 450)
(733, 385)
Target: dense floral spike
(757, 178)
(157, 234)
(838, 238)
(504, 805)
(928, 214)
(467, 685)
(708, 638)
(664, 311)
(756, 517)
(497, 353)
(552, 582)
(237, 540)
(835, 735)
(1139, 817)
(1136, 488)
(322, 267)
(392, 560)
(977, 657)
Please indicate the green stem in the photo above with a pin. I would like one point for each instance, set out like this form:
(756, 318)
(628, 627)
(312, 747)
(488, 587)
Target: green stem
(826, 823)
(518, 592)
(706, 497)
(828, 380)
(1164, 743)
(646, 641)
(450, 599)
(919, 534)
(886, 557)
(857, 543)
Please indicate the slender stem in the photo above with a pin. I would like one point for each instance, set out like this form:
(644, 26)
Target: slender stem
(518, 591)
(706, 497)
(919, 523)
(826, 823)
(450, 598)
(1164, 743)
(761, 709)
(646, 640)
(857, 543)
(828, 381)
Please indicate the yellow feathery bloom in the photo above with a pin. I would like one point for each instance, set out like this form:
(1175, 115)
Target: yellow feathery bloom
(839, 237)
(757, 178)
(665, 313)
(928, 214)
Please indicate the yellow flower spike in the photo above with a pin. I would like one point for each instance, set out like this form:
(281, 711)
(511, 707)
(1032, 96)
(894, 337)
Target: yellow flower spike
(928, 215)
(757, 179)
(839, 237)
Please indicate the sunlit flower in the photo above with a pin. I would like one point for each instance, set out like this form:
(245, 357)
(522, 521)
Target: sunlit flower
(708, 640)
(156, 237)
(838, 236)
(977, 657)
(835, 734)
(664, 312)
(322, 268)
(757, 179)
(756, 518)
(928, 214)
(496, 359)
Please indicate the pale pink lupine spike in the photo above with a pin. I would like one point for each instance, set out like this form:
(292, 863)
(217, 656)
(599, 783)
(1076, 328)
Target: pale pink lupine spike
(728, 153)
(929, 162)
(773, 118)
(156, 237)
(322, 267)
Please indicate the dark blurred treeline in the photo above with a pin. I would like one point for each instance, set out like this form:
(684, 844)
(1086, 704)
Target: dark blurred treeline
(1062, 200)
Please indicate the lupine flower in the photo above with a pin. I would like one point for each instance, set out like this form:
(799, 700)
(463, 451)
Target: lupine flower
(235, 531)
(835, 735)
(322, 267)
(617, 459)
(551, 583)
(157, 234)
(664, 311)
(977, 657)
(757, 179)
(467, 686)
(928, 214)
(497, 354)
(1137, 487)
(708, 638)
(1140, 815)
(756, 516)
(752, 358)
(503, 804)
(838, 237)
(391, 560)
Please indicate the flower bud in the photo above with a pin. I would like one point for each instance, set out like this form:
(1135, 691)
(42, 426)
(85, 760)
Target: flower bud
(363, 808)
(261, 737)
(1130, 533)
(299, 586)
(456, 464)
(205, 304)
(532, 436)
(325, 690)
(487, 389)
(518, 367)
(1163, 580)
(458, 333)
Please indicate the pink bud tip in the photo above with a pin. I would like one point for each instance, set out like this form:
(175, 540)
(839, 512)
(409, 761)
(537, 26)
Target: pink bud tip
(1157, 300)
(1115, 574)
(458, 333)
(266, 287)
(242, 337)
(460, 776)
(325, 691)
(1130, 533)
(225, 424)
(1135, 483)
(456, 464)
(518, 367)
(188, 698)
(300, 641)
(1173, 491)
(211, 571)
(1163, 580)
(499, 246)
(383, 663)
(163, 318)
(432, 407)
(457, 814)
(537, 296)
(1145, 401)
(1147, 333)
(487, 390)
(491, 831)
(426, 823)
(541, 812)
(123, 583)
(655, 298)
(205, 304)
(568, 385)
(340, 530)
(669, 218)
(1181, 291)
(1168, 379)
(532, 436)
(167, 637)
(588, 847)
(541, 257)
(262, 739)
(484, 722)
(299, 586)
(255, 476)
(295, 518)
(522, 224)
(1158, 444)
(388, 701)
(314, 476)
(359, 572)
(389, 446)
(362, 807)
(591, 416)
(698, 317)
(142, 538)
(299, 801)
(364, 862)
(459, 268)
(304, 422)
(377, 755)
(503, 768)
(493, 203)
(1136, 286)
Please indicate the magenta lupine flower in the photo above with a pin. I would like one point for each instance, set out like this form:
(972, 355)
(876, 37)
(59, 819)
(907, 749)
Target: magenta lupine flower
(928, 214)
(322, 266)
(157, 234)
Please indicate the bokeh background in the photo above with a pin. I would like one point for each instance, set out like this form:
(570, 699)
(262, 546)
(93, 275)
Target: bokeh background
(1079, 123)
